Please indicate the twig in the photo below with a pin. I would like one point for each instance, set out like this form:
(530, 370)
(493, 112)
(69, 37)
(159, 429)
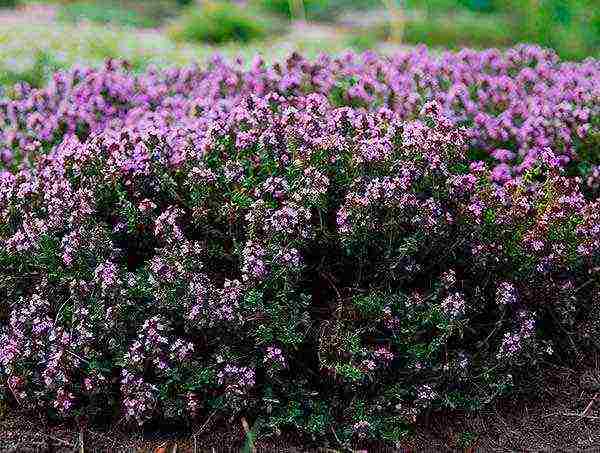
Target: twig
(203, 427)
(543, 440)
(59, 440)
(13, 391)
(337, 438)
(591, 280)
(573, 414)
(567, 333)
(75, 355)
(496, 327)
(330, 280)
(61, 307)
(81, 449)
(589, 406)
(162, 446)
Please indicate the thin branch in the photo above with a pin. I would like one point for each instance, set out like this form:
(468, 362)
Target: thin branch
(60, 440)
(203, 427)
(590, 281)
(330, 280)
(337, 438)
(573, 414)
(61, 307)
(81, 449)
(79, 357)
(589, 406)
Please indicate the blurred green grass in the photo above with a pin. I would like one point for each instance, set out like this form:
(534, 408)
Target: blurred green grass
(571, 27)
(62, 45)
(452, 31)
(219, 22)
(182, 34)
(8, 3)
(317, 10)
(131, 14)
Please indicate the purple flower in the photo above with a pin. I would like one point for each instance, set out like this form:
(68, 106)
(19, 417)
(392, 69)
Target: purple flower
(454, 305)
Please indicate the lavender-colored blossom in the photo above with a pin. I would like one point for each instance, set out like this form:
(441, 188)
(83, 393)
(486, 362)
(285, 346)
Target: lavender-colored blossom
(254, 256)
(361, 428)
(107, 275)
(425, 395)
(514, 342)
(383, 355)
(236, 380)
(507, 294)
(274, 357)
(454, 305)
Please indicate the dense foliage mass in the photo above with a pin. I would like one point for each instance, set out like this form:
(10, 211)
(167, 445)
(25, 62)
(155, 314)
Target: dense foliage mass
(314, 245)
(513, 103)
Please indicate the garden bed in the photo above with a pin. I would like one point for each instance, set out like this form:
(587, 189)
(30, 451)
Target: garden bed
(341, 250)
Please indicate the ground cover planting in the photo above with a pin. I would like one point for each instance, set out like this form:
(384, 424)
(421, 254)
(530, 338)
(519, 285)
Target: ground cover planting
(334, 246)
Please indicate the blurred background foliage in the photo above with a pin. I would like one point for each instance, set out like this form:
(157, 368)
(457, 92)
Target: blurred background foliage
(40, 36)
(132, 13)
(219, 22)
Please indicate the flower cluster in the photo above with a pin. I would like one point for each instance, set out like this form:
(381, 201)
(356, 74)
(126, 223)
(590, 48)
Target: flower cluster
(275, 240)
(454, 305)
(506, 294)
(237, 380)
(514, 103)
(274, 357)
(514, 343)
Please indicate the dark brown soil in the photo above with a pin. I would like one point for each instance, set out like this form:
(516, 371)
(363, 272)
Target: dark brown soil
(563, 417)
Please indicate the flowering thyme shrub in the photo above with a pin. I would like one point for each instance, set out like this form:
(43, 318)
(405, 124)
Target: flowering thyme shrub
(308, 266)
(514, 103)
(277, 244)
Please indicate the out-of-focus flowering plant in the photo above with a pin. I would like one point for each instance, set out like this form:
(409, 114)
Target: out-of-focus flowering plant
(513, 103)
(190, 242)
